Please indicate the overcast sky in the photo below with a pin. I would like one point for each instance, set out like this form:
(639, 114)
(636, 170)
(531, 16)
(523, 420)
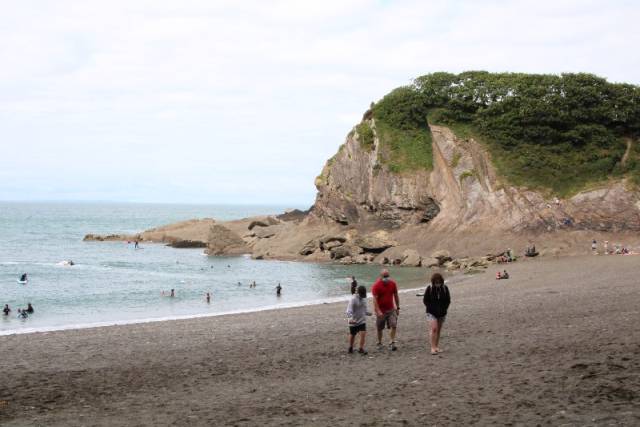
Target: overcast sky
(243, 101)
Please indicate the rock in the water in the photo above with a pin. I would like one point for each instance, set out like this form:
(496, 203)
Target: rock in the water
(223, 241)
(187, 244)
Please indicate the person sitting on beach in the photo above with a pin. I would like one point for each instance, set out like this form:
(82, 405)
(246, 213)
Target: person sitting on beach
(386, 303)
(498, 276)
(594, 246)
(29, 308)
(278, 289)
(436, 300)
(356, 313)
(6, 310)
(505, 275)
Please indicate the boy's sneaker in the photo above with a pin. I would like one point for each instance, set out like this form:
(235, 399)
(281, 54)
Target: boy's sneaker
(392, 346)
(350, 350)
(363, 352)
(379, 346)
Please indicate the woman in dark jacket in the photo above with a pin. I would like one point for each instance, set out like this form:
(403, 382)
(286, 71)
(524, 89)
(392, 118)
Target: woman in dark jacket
(437, 300)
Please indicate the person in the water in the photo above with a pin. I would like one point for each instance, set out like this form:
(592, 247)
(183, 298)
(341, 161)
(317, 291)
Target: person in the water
(23, 313)
(23, 278)
(6, 310)
(29, 308)
(278, 289)
(208, 296)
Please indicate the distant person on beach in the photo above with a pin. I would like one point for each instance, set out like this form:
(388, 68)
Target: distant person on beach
(606, 247)
(356, 313)
(594, 246)
(6, 310)
(354, 285)
(386, 303)
(208, 297)
(135, 245)
(29, 308)
(436, 300)
(505, 275)
(278, 289)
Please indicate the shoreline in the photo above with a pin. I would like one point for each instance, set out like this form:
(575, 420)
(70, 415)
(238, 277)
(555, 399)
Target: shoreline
(107, 324)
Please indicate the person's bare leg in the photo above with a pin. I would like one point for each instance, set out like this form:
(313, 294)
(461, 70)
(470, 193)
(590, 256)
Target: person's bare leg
(392, 334)
(352, 338)
(433, 333)
(363, 336)
(379, 335)
(438, 335)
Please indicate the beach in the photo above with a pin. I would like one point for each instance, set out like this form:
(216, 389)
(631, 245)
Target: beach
(556, 344)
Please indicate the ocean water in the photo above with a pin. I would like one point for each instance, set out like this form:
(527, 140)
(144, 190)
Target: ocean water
(113, 283)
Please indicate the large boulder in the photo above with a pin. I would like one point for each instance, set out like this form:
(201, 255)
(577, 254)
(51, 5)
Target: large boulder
(187, 244)
(345, 251)
(375, 242)
(310, 247)
(266, 232)
(223, 241)
(412, 258)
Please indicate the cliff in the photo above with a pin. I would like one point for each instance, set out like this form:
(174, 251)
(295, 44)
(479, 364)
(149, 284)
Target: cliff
(456, 166)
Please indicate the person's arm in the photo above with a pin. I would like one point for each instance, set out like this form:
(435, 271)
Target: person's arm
(396, 297)
(376, 309)
(426, 299)
(447, 297)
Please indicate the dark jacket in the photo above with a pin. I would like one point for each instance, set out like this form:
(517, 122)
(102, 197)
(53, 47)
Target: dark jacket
(437, 300)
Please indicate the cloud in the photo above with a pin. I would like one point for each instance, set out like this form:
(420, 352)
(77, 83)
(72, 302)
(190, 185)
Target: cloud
(225, 101)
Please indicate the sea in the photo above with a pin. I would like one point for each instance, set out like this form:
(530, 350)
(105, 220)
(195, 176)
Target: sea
(113, 283)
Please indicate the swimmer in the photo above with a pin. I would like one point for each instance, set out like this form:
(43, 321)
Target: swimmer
(208, 296)
(23, 278)
(23, 314)
(6, 310)
(278, 289)
(29, 308)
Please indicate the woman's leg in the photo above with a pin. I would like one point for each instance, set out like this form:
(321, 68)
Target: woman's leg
(439, 322)
(433, 333)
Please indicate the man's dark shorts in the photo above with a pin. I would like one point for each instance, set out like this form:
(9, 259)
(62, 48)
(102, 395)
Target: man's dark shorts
(388, 319)
(353, 330)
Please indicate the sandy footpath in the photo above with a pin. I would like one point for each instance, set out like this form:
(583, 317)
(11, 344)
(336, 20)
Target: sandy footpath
(558, 344)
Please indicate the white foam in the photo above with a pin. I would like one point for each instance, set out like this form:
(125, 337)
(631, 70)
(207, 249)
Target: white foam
(182, 317)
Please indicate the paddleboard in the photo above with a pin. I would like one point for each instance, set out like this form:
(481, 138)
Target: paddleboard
(23, 282)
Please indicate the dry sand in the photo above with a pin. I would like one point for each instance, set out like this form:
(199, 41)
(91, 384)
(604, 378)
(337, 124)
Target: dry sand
(557, 344)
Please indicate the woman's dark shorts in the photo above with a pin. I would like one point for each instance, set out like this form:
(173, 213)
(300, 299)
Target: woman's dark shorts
(353, 330)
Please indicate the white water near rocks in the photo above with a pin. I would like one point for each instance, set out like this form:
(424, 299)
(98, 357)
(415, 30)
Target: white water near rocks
(113, 283)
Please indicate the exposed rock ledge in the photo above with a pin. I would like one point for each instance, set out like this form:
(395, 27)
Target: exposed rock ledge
(365, 214)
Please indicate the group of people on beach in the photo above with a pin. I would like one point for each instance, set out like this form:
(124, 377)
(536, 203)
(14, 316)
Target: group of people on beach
(616, 249)
(22, 312)
(386, 307)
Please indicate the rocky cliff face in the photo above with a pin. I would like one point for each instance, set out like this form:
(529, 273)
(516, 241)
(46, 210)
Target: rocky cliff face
(461, 194)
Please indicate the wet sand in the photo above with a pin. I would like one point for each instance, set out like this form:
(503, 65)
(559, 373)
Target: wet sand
(558, 344)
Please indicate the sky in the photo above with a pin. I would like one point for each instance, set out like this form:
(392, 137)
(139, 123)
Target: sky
(243, 101)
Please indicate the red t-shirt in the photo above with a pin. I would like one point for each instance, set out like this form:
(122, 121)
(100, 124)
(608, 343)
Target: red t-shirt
(383, 293)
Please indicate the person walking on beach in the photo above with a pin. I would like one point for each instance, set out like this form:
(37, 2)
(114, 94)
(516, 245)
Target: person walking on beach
(354, 285)
(356, 313)
(437, 300)
(386, 304)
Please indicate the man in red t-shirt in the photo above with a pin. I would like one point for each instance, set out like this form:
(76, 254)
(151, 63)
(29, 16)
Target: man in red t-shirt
(386, 304)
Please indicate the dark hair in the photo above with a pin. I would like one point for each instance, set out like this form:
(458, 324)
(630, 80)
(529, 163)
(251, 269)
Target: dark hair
(437, 279)
(362, 291)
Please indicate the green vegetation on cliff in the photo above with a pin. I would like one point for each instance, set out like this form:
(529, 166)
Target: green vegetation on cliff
(557, 132)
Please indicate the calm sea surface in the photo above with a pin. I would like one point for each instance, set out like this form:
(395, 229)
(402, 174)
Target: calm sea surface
(111, 282)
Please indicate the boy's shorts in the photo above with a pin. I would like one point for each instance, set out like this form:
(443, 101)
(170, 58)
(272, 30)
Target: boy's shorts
(389, 319)
(353, 330)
